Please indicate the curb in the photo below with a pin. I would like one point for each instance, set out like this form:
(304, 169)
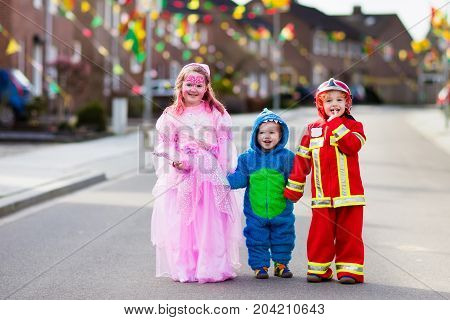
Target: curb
(49, 191)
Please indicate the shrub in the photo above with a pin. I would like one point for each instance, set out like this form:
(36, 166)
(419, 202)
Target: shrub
(92, 116)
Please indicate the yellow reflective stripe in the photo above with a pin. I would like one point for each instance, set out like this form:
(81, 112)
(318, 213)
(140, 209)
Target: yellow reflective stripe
(318, 268)
(295, 186)
(360, 137)
(325, 264)
(349, 201)
(333, 141)
(303, 152)
(342, 168)
(350, 268)
(340, 131)
(320, 202)
(316, 143)
(296, 183)
(317, 173)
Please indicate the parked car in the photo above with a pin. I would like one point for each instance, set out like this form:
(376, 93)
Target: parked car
(443, 97)
(15, 94)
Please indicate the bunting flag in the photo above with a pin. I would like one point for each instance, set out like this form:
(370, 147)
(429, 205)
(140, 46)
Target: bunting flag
(420, 46)
(336, 36)
(238, 12)
(277, 5)
(96, 22)
(438, 19)
(193, 5)
(369, 45)
(287, 33)
(85, 6)
(54, 88)
(118, 70)
(13, 47)
(67, 5)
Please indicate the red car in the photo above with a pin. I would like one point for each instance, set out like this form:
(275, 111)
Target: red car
(443, 97)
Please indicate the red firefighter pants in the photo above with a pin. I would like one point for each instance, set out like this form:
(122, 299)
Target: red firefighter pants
(336, 233)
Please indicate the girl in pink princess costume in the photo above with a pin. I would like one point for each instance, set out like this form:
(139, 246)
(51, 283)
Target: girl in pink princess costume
(195, 223)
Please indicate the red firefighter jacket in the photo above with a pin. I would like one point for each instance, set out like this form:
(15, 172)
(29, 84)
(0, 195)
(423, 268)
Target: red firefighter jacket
(330, 151)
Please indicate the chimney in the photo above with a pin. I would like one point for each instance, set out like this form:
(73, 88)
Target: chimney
(357, 11)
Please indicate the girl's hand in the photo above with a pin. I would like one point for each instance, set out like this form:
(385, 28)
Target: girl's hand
(178, 165)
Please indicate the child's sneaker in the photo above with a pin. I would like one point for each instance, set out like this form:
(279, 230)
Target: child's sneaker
(262, 273)
(282, 270)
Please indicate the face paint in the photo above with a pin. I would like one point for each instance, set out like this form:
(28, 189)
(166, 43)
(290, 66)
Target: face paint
(193, 89)
(195, 79)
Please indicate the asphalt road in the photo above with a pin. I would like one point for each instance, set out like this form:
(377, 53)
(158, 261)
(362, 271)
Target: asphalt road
(95, 244)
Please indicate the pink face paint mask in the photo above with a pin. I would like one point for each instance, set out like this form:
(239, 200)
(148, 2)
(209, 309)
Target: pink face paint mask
(195, 79)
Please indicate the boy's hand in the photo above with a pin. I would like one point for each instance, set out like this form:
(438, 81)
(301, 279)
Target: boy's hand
(334, 115)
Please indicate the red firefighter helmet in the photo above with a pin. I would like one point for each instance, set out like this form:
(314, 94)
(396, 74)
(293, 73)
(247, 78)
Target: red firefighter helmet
(329, 85)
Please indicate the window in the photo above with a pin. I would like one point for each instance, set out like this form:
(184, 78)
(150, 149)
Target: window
(354, 50)
(174, 69)
(342, 45)
(135, 67)
(333, 48)
(264, 47)
(21, 56)
(252, 46)
(204, 36)
(320, 43)
(115, 77)
(320, 74)
(252, 85)
(76, 56)
(388, 53)
(264, 85)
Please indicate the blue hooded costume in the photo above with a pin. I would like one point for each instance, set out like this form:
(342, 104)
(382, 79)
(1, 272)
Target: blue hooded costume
(270, 231)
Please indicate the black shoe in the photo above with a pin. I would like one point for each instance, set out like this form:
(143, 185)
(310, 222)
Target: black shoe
(282, 271)
(262, 273)
(314, 278)
(347, 280)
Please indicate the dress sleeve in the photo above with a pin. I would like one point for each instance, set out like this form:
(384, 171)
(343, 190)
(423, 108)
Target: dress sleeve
(166, 144)
(227, 152)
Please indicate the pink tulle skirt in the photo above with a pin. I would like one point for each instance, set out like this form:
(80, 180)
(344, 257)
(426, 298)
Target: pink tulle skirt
(197, 238)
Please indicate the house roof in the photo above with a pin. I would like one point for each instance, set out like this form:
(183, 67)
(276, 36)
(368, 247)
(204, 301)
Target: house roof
(369, 24)
(320, 20)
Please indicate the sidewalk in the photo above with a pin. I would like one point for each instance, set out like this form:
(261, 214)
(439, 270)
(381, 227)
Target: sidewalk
(32, 175)
(35, 176)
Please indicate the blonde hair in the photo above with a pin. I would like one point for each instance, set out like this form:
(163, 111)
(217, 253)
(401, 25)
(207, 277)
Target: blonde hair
(210, 99)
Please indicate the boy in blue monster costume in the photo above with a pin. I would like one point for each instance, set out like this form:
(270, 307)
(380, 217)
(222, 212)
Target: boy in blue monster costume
(264, 170)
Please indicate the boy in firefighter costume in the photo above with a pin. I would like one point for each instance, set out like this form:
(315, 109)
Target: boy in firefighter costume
(263, 170)
(329, 148)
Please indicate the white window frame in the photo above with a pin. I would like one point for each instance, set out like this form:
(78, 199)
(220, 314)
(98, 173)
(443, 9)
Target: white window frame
(38, 61)
(107, 15)
(263, 85)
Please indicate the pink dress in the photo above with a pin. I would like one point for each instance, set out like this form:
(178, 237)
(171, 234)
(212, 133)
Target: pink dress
(196, 224)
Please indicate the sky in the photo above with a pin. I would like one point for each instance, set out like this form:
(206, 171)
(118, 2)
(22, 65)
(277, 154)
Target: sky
(410, 12)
